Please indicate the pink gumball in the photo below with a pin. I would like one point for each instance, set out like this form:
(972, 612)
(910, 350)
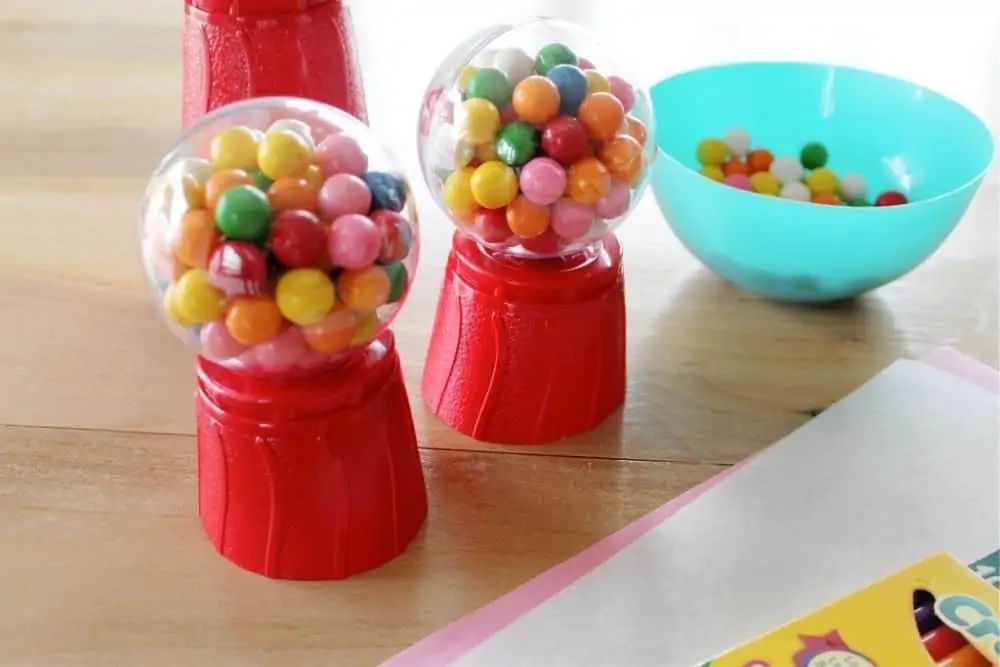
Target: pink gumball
(585, 64)
(280, 355)
(217, 343)
(340, 154)
(344, 194)
(543, 181)
(623, 90)
(355, 241)
(740, 181)
(571, 219)
(616, 202)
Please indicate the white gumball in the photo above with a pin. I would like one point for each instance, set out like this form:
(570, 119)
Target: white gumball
(787, 170)
(853, 187)
(515, 63)
(450, 151)
(484, 58)
(737, 140)
(295, 126)
(797, 191)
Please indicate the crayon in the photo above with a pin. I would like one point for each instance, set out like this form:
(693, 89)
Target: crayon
(943, 642)
(927, 620)
(965, 657)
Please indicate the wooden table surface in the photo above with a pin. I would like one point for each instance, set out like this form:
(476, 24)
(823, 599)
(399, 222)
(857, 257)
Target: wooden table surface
(102, 558)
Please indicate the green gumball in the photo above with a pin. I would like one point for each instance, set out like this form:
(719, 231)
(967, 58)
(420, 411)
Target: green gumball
(551, 55)
(490, 84)
(814, 155)
(516, 143)
(243, 213)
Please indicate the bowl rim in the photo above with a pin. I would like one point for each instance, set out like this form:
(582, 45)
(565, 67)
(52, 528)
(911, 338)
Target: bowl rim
(972, 182)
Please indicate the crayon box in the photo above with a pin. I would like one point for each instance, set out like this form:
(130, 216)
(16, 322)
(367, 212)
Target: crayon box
(936, 613)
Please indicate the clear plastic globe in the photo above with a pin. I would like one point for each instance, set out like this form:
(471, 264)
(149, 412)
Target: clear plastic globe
(279, 235)
(534, 140)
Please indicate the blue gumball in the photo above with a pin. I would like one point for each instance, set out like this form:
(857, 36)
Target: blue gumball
(572, 85)
(388, 190)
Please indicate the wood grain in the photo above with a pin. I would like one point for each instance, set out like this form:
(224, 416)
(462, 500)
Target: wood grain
(102, 560)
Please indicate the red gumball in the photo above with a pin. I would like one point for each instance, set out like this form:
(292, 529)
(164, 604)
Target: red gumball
(564, 139)
(395, 231)
(297, 239)
(237, 267)
(891, 198)
(492, 224)
(547, 242)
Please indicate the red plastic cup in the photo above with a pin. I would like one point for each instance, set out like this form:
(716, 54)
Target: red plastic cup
(527, 351)
(239, 49)
(311, 477)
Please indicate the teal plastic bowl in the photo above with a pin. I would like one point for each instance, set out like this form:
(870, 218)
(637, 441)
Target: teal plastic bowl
(898, 135)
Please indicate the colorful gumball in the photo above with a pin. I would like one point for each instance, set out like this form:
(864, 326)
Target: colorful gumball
(758, 160)
(765, 183)
(602, 115)
(572, 219)
(543, 181)
(739, 181)
(195, 238)
(787, 170)
(364, 289)
(333, 333)
(713, 172)
(596, 82)
(217, 343)
(588, 181)
(491, 224)
(536, 100)
(253, 320)
(515, 63)
(304, 296)
(823, 181)
(297, 239)
(616, 202)
(493, 184)
(516, 143)
(712, 153)
(234, 148)
(478, 121)
(795, 191)
(394, 234)
(827, 198)
(354, 241)
(572, 85)
(737, 141)
(814, 155)
(526, 218)
(243, 213)
(489, 83)
(238, 268)
(891, 198)
(622, 90)
(553, 55)
(284, 154)
(735, 167)
(341, 154)
(343, 194)
(293, 194)
(222, 181)
(564, 139)
(622, 156)
(853, 187)
(636, 129)
(457, 191)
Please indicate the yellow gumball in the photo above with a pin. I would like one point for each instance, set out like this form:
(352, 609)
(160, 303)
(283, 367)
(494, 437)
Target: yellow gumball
(365, 329)
(712, 153)
(765, 183)
(457, 191)
(486, 152)
(315, 176)
(195, 299)
(714, 172)
(478, 121)
(494, 184)
(284, 154)
(234, 148)
(596, 83)
(822, 181)
(466, 76)
(170, 308)
(305, 296)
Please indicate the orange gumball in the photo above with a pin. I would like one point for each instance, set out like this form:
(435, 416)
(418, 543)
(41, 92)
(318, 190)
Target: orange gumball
(195, 238)
(293, 194)
(536, 100)
(526, 218)
(333, 333)
(364, 289)
(827, 198)
(636, 129)
(759, 160)
(253, 320)
(602, 115)
(221, 181)
(735, 166)
(622, 156)
(588, 180)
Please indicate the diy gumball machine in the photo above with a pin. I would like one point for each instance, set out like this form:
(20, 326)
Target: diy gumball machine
(239, 49)
(280, 241)
(537, 146)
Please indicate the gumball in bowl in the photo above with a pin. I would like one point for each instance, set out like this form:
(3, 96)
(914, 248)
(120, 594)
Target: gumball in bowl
(280, 239)
(823, 183)
(536, 144)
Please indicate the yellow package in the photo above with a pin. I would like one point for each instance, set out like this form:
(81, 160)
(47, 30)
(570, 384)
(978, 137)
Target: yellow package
(937, 613)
